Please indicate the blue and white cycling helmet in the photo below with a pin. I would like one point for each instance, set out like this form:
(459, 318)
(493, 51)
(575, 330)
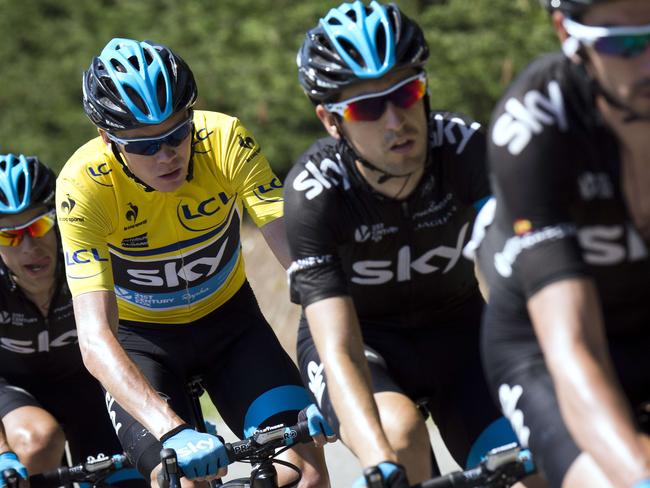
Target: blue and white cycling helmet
(24, 182)
(355, 42)
(133, 84)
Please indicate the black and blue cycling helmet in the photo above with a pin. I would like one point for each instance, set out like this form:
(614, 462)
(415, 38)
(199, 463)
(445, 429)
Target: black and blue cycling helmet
(355, 42)
(133, 84)
(570, 7)
(24, 182)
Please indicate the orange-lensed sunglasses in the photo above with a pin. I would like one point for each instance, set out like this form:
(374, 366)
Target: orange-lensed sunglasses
(37, 227)
(372, 106)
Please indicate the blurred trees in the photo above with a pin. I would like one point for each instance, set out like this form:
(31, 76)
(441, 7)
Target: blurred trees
(243, 56)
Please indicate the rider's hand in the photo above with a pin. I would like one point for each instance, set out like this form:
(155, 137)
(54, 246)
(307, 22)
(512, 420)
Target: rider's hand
(200, 456)
(384, 475)
(9, 460)
(319, 429)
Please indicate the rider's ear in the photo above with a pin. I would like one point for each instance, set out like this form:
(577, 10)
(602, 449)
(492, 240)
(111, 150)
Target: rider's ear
(104, 136)
(329, 121)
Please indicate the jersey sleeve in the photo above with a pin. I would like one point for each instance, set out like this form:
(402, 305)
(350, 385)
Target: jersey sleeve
(251, 176)
(84, 225)
(533, 167)
(316, 272)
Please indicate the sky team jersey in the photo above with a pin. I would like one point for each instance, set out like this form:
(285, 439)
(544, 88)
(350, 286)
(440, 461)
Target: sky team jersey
(399, 260)
(35, 349)
(560, 210)
(170, 257)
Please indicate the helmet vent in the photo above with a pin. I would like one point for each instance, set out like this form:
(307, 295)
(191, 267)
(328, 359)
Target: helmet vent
(135, 97)
(380, 42)
(110, 104)
(133, 61)
(148, 58)
(352, 51)
(110, 88)
(20, 186)
(161, 93)
(118, 66)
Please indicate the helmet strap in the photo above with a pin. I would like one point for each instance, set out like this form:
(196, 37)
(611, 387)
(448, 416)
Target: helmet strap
(384, 176)
(147, 188)
(629, 114)
(126, 169)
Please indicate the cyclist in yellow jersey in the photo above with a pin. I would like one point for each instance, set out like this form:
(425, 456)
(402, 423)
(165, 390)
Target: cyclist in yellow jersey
(173, 256)
(150, 214)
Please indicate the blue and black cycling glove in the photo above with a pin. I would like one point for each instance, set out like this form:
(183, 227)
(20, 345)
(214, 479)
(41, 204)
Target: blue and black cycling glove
(199, 455)
(9, 460)
(384, 475)
(316, 421)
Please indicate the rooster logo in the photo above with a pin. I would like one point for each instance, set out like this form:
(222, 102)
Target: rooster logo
(68, 204)
(247, 142)
(132, 213)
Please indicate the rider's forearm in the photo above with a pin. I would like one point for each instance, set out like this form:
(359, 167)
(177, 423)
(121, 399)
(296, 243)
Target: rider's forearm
(97, 320)
(351, 394)
(107, 361)
(571, 331)
(274, 234)
(599, 418)
(337, 336)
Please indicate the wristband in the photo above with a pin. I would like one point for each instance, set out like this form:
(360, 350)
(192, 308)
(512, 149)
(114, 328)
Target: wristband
(173, 432)
(642, 484)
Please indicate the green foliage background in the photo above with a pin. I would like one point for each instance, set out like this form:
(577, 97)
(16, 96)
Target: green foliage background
(242, 53)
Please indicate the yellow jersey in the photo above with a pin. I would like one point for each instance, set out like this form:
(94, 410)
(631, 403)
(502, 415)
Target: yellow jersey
(170, 257)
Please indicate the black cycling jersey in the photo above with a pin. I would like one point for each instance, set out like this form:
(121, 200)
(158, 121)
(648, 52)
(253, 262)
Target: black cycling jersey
(34, 348)
(41, 366)
(401, 263)
(399, 259)
(560, 209)
(560, 213)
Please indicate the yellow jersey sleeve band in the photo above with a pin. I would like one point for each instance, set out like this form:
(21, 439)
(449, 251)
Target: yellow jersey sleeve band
(169, 257)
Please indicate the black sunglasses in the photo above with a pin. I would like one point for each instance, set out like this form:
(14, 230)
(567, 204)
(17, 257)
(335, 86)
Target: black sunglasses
(148, 146)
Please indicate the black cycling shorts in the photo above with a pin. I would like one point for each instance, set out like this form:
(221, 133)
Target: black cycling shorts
(520, 381)
(77, 403)
(439, 364)
(248, 375)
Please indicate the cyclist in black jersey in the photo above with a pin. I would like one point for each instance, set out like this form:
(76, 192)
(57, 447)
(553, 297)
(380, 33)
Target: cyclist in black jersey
(565, 254)
(377, 215)
(46, 395)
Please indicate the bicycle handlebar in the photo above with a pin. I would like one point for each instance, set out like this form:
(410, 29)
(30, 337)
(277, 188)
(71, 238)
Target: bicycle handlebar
(11, 477)
(502, 467)
(92, 471)
(258, 447)
(264, 442)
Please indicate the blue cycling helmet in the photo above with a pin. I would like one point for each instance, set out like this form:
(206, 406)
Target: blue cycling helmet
(354, 42)
(24, 182)
(133, 84)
